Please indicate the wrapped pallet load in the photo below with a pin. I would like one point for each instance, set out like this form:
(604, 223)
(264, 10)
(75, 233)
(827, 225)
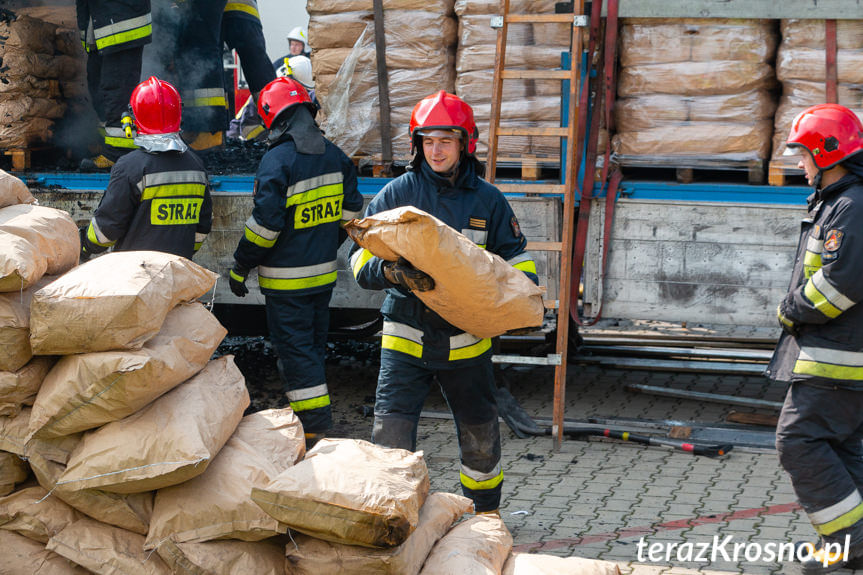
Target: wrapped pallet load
(168, 442)
(526, 103)
(375, 505)
(475, 290)
(116, 301)
(692, 91)
(420, 55)
(801, 67)
(217, 504)
(310, 556)
(42, 73)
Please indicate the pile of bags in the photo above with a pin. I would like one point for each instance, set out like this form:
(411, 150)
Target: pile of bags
(801, 66)
(695, 89)
(526, 103)
(420, 54)
(42, 73)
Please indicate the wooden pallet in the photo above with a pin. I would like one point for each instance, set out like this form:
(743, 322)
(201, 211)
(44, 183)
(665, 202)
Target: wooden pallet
(686, 169)
(530, 166)
(20, 158)
(783, 173)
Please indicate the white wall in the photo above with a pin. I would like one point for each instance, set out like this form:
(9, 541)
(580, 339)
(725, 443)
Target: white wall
(278, 18)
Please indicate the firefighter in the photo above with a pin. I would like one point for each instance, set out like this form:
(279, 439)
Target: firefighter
(242, 31)
(820, 352)
(305, 190)
(418, 346)
(113, 35)
(298, 45)
(158, 196)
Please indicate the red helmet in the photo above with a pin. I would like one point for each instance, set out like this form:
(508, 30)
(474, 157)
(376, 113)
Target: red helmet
(832, 133)
(279, 95)
(445, 111)
(156, 106)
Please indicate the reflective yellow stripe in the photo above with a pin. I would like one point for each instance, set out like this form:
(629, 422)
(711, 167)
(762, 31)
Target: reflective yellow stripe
(216, 101)
(233, 274)
(315, 194)
(361, 258)
(120, 142)
(470, 351)
(175, 211)
(124, 37)
(92, 234)
(259, 240)
(828, 370)
(401, 344)
(784, 320)
(173, 191)
(308, 404)
(481, 485)
(841, 522)
(526, 266)
(198, 245)
(819, 301)
(237, 7)
(811, 263)
(288, 284)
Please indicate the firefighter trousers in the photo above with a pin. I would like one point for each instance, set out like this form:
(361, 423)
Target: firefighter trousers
(818, 439)
(298, 328)
(246, 36)
(111, 79)
(469, 392)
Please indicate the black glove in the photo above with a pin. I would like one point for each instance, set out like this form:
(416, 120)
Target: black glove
(404, 274)
(789, 325)
(237, 280)
(82, 235)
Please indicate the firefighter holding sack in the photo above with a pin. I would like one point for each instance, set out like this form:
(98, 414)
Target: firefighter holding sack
(305, 190)
(158, 196)
(820, 352)
(418, 346)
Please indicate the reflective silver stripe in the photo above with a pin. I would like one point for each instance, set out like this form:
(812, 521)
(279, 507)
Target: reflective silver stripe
(480, 476)
(208, 93)
(522, 257)
(115, 132)
(355, 256)
(316, 182)
(348, 215)
(103, 239)
(479, 237)
(814, 244)
(836, 510)
(839, 300)
(199, 238)
(260, 230)
(834, 356)
(463, 340)
(298, 272)
(176, 177)
(122, 26)
(307, 393)
(403, 331)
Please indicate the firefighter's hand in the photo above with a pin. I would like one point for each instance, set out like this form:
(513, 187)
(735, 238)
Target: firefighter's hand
(85, 255)
(404, 274)
(237, 280)
(789, 325)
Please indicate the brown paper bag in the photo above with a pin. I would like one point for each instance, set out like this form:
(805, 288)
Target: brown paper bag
(225, 557)
(106, 549)
(116, 301)
(13, 470)
(375, 505)
(168, 442)
(21, 265)
(52, 231)
(87, 390)
(310, 556)
(15, 348)
(217, 503)
(13, 191)
(35, 514)
(538, 564)
(22, 555)
(478, 546)
(19, 388)
(475, 290)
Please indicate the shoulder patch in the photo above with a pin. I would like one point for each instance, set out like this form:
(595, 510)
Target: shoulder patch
(516, 230)
(833, 240)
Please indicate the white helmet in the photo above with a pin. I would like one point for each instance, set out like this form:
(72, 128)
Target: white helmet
(299, 35)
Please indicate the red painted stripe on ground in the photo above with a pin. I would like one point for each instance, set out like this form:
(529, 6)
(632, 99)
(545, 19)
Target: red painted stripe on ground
(657, 527)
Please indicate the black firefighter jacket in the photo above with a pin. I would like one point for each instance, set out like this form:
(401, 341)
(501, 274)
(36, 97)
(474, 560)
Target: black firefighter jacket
(826, 283)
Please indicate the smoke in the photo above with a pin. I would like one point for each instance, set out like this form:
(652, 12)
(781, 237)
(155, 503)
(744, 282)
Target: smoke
(14, 4)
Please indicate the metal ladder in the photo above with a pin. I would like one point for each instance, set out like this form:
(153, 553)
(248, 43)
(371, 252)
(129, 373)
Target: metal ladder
(578, 22)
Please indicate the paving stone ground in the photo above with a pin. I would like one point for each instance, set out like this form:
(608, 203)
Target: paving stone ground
(604, 499)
